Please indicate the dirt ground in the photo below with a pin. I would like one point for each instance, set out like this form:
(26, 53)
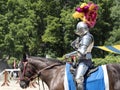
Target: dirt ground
(13, 85)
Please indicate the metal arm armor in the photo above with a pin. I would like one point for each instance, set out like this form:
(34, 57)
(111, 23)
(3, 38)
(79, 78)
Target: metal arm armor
(86, 44)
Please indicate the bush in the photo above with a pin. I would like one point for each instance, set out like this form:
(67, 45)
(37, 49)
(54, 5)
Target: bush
(11, 60)
(108, 59)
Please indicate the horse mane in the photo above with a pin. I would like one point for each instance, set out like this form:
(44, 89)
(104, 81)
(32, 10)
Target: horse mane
(47, 59)
(56, 60)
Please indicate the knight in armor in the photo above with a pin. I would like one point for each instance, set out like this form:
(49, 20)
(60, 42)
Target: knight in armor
(84, 43)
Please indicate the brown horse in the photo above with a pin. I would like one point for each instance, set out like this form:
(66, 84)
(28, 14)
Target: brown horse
(52, 73)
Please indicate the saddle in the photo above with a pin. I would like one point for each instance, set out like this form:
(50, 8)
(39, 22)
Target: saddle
(93, 79)
(91, 70)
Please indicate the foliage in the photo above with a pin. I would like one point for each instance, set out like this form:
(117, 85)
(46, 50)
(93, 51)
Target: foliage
(111, 58)
(108, 59)
(11, 60)
(114, 37)
(40, 27)
(52, 30)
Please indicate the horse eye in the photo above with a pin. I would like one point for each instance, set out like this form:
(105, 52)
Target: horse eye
(28, 74)
(21, 70)
(20, 66)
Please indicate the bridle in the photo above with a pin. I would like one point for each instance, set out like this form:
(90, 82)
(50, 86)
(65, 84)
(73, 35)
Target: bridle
(37, 75)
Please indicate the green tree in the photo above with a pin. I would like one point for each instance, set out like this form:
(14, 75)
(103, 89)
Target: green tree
(114, 37)
(102, 27)
(17, 27)
(39, 27)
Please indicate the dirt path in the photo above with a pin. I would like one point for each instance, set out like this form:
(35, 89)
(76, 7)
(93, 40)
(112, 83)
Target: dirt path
(15, 86)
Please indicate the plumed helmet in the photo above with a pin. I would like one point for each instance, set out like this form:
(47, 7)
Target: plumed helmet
(82, 28)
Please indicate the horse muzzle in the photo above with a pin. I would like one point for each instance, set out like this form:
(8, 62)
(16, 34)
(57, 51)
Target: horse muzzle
(24, 84)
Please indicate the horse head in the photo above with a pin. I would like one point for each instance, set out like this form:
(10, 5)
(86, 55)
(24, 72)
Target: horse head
(49, 70)
(27, 71)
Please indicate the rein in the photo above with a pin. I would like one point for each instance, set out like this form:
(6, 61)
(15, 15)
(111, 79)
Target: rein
(38, 73)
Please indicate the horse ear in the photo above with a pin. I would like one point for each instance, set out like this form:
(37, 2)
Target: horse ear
(24, 57)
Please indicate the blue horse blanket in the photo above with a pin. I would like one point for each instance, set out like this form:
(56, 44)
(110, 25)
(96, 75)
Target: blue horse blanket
(94, 82)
